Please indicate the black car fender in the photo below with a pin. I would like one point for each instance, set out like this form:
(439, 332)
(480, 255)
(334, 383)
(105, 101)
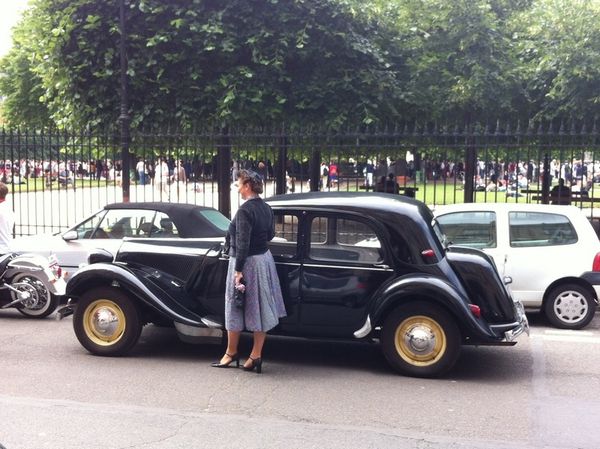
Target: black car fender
(108, 274)
(417, 287)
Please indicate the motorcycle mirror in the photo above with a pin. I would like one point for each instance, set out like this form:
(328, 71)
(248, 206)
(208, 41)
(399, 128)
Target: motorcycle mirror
(70, 235)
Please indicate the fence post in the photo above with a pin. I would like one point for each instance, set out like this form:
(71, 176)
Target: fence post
(124, 116)
(546, 180)
(223, 165)
(470, 167)
(280, 175)
(315, 169)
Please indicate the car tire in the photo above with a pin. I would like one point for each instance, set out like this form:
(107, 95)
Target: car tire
(46, 301)
(570, 306)
(420, 340)
(116, 330)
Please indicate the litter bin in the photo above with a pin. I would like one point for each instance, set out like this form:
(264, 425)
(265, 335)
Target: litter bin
(419, 176)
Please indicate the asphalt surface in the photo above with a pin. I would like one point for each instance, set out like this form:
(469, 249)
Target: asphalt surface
(541, 393)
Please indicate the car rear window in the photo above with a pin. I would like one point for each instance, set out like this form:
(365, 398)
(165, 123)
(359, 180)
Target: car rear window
(219, 220)
(540, 229)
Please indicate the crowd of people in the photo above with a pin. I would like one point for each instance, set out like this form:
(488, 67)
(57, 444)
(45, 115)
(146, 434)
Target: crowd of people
(384, 174)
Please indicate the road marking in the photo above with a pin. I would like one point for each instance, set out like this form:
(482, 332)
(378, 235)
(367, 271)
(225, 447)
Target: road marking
(568, 338)
(568, 332)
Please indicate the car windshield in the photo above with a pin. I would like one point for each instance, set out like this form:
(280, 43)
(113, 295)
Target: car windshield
(215, 217)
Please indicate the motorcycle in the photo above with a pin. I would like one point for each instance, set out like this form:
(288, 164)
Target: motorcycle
(31, 283)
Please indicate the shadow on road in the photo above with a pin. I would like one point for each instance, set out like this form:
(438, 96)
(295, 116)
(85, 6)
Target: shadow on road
(493, 364)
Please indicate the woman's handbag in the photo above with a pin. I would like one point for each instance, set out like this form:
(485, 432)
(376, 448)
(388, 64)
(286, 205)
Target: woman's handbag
(239, 295)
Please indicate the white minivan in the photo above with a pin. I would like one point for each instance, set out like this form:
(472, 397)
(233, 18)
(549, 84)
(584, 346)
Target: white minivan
(549, 255)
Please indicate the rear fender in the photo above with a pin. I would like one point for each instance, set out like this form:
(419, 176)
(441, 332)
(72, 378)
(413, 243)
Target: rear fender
(107, 274)
(433, 289)
(39, 266)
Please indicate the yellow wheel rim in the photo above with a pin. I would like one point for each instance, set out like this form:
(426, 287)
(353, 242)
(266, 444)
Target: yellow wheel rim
(420, 341)
(104, 322)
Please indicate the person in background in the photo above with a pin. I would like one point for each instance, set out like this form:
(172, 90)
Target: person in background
(161, 179)
(7, 220)
(560, 194)
(251, 265)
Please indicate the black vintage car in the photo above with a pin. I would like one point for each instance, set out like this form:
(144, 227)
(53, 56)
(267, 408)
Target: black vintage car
(352, 266)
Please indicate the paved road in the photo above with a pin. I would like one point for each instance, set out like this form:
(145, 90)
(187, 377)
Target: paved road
(542, 393)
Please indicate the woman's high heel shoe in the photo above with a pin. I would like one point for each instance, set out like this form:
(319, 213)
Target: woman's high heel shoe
(234, 358)
(256, 363)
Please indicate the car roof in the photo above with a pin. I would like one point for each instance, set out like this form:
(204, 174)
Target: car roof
(155, 205)
(504, 207)
(345, 200)
(186, 218)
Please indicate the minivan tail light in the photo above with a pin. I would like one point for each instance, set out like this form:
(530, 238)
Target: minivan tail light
(596, 264)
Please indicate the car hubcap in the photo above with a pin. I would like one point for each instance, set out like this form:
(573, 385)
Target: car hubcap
(570, 306)
(104, 322)
(420, 341)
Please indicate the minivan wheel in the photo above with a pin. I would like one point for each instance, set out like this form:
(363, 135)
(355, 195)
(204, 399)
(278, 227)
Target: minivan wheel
(570, 306)
(420, 340)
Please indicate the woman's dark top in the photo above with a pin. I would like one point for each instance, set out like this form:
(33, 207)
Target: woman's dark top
(250, 231)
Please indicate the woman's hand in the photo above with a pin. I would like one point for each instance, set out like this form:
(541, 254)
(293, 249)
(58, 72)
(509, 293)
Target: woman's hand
(237, 277)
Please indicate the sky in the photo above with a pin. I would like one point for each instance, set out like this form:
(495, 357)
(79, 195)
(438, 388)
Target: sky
(10, 12)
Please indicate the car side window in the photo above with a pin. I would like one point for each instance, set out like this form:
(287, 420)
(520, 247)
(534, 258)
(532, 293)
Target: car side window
(86, 229)
(285, 242)
(119, 223)
(476, 229)
(343, 240)
(163, 227)
(540, 229)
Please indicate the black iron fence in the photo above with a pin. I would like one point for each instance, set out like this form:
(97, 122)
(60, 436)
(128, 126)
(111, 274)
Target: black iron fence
(59, 178)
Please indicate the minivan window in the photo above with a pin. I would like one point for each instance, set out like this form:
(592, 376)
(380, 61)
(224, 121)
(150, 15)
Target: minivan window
(540, 229)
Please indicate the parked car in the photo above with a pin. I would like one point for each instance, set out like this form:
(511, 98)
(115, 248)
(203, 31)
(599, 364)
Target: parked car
(107, 228)
(551, 254)
(351, 266)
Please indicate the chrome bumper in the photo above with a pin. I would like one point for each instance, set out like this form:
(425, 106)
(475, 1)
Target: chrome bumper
(522, 323)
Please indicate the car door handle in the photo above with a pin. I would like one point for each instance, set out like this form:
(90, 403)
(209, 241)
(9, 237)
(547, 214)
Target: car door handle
(381, 265)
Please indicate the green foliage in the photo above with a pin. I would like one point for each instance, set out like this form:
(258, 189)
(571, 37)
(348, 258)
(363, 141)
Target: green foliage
(241, 61)
(310, 62)
(560, 47)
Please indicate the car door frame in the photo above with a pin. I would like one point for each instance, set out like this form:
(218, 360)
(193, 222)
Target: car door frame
(307, 315)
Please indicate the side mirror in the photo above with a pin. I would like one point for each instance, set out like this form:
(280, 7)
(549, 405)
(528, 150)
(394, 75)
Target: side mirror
(70, 235)
(100, 255)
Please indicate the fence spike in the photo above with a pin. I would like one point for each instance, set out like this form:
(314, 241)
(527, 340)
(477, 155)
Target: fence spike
(456, 131)
(416, 129)
(573, 127)
(530, 127)
(540, 130)
(406, 131)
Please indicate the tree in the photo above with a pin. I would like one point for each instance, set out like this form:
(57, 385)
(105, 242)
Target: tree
(20, 86)
(241, 61)
(559, 44)
(460, 58)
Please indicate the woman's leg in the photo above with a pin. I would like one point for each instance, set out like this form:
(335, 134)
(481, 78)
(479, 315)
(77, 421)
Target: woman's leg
(257, 347)
(233, 339)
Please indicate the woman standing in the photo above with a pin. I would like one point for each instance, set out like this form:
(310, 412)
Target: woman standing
(251, 263)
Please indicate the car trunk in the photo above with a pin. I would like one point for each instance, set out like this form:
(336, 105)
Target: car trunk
(478, 275)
